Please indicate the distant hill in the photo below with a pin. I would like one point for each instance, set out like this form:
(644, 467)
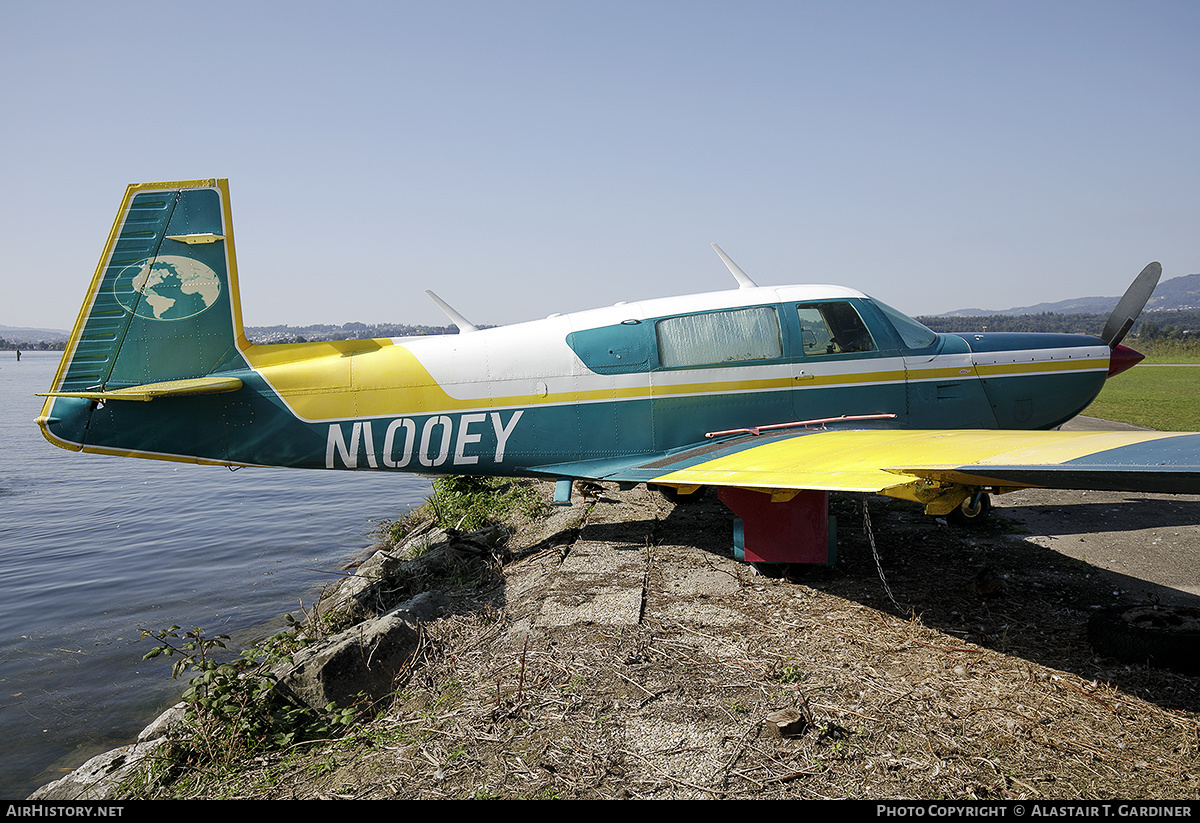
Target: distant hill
(1172, 313)
(19, 337)
(24, 334)
(1176, 294)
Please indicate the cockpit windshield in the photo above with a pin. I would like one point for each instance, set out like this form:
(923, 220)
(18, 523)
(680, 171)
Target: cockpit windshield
(912, 333)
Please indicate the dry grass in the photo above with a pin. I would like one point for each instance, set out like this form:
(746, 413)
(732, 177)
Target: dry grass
(939, 695)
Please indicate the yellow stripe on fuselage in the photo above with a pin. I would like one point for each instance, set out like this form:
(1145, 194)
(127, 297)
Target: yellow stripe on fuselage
(343, 379)
(1041, 367)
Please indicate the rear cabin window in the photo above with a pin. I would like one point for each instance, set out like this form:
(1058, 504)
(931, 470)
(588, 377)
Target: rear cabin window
(832, 328)
(719, 337)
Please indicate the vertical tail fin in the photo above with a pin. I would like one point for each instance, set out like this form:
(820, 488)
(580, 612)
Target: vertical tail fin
(162, 306)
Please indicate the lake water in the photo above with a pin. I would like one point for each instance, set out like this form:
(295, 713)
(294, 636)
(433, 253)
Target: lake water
(94, 548)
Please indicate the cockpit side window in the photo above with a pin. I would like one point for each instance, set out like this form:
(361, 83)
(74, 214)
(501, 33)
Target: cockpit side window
(832, 328)
(719, 337)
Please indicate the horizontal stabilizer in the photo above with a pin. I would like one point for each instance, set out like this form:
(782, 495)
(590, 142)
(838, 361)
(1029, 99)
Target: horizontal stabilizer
(149, 391)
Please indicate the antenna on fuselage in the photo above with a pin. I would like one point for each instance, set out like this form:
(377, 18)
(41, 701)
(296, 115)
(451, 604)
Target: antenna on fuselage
(744, 281)
(464, 325)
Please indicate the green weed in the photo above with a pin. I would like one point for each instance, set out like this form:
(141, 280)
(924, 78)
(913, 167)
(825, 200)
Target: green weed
(234, 706)
(469, 503)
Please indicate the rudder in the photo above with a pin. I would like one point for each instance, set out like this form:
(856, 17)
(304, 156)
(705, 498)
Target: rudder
(163, 303)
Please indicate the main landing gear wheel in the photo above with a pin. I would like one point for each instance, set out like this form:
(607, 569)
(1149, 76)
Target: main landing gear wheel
(973, 511)
(1162, 636)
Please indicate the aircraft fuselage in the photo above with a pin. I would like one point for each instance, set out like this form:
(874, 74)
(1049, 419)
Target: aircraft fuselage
(611, 384)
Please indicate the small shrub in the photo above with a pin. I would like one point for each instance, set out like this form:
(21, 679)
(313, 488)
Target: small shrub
(234, 707)
(468, 503)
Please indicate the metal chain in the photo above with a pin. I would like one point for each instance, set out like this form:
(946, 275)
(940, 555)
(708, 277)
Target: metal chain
(875, 554)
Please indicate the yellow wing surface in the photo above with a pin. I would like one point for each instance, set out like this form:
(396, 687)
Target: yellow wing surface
(936, 467)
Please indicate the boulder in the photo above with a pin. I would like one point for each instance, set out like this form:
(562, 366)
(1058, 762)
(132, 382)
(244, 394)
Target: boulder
(363, 661)
(102, 776)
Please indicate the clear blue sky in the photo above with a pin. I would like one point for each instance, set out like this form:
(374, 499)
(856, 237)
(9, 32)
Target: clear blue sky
(523, 158)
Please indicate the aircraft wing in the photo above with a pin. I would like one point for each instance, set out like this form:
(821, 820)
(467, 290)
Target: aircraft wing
(915, 464)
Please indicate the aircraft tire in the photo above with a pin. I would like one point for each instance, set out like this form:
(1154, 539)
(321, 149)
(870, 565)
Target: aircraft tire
(677, 497)
(970, 516)
(1161, 636)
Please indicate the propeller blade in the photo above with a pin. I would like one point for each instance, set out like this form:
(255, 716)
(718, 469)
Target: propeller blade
(1131, 305)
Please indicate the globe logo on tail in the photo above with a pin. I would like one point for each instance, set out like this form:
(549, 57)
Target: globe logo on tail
(167, 288)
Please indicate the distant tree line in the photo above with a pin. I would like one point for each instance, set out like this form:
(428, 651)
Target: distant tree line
(1153, 331)
(1159, 325)
(346, 331)
(32, 345)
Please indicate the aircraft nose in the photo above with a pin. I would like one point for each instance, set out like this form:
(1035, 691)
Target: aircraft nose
(1123, 358)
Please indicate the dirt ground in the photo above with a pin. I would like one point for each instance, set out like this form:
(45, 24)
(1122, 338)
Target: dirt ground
(624, 653)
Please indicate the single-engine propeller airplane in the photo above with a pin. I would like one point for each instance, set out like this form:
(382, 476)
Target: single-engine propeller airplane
(774, 395)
